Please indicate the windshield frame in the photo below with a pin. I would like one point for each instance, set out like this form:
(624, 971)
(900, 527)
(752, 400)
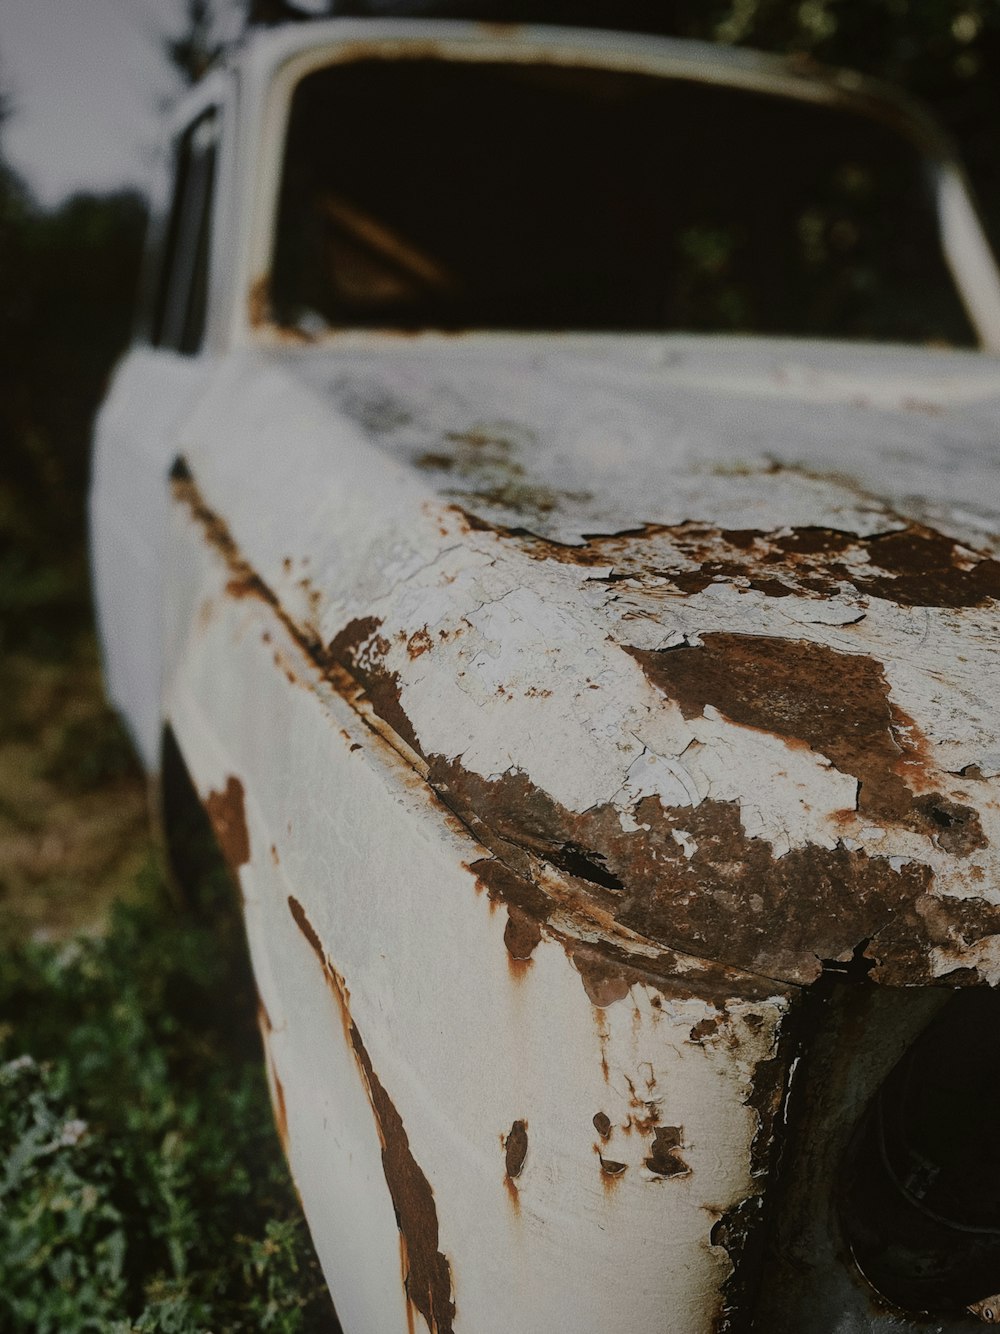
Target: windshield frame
(278, 61)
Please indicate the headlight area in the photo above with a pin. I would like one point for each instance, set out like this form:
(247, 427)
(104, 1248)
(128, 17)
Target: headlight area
(920, 1207)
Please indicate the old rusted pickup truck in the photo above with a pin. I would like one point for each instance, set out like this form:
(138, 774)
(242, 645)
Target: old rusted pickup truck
(599, 707)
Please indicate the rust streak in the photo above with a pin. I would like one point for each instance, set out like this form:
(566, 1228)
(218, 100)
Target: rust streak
(280, 1110)
(427, 1273)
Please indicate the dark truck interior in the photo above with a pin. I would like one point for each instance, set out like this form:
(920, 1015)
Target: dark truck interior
(427, 193)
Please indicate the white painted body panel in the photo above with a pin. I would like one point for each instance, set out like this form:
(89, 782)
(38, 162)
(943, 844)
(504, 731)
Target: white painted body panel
(136, 439)
(463, 1045)
(465, 1042)
(377, 535)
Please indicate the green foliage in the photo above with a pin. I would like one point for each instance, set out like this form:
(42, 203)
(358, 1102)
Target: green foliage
(944, 52)
(62, 1238)
(67, 285)
(143, 1187)
(193, 50)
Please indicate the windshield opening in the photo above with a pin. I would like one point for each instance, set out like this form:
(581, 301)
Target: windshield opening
(428, 194)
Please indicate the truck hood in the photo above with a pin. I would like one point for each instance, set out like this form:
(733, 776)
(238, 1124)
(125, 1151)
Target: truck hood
(699, 634)
(582, 435)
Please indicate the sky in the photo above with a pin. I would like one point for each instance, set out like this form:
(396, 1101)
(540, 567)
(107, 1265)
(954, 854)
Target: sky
(86, 83)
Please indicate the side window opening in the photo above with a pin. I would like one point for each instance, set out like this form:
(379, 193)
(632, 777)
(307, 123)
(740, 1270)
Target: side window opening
(182, 291)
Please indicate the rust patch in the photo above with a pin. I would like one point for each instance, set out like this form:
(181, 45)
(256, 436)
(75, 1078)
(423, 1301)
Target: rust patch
(604, 980)
(611, 1170)
(427, 1273)
(419, 643)
(778, 918)
(915, 566)
(180, 472)
(531, 499)
(515, 1149)
(837, 704)
(768, 918)
(956, 828)
(503, 885)
(602, 1124)
(227, 813)
(644, 1118)
(922, 568)
(430, 461)
(957, 924)
(647, 1122)
(664, 1156)
(521, 935)
(703, 1029)
(360, 649)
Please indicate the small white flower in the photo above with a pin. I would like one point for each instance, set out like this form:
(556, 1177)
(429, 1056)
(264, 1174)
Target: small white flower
(73, 1132)
(18, 1063)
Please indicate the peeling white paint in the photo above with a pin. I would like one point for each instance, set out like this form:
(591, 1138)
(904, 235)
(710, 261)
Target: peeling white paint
(554, 1060)
(519, 665)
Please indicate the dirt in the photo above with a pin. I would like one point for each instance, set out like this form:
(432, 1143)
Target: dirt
(74, 827)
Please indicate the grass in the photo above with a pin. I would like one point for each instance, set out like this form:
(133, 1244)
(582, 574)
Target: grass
(142, 1185)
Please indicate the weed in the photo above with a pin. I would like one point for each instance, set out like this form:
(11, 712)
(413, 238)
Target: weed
(143, 1188)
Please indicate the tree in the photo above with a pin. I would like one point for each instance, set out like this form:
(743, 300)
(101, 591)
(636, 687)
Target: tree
(192, 52)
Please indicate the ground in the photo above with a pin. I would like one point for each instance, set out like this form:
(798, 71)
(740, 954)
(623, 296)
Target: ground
(74, 827)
